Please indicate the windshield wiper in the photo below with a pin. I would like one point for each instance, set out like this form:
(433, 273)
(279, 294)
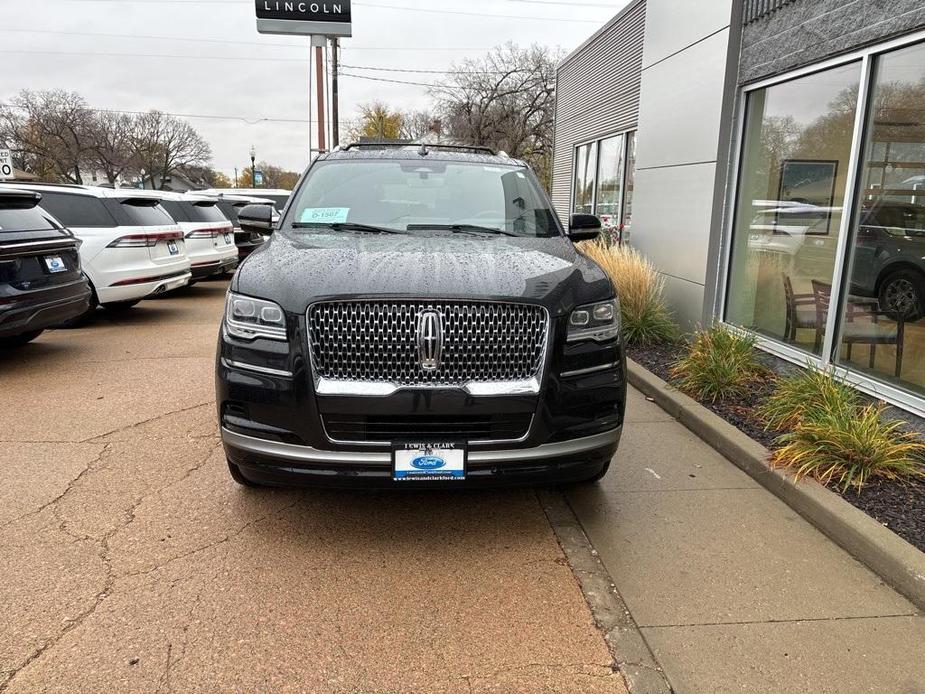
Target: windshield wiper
(347, 226)
(462, 228)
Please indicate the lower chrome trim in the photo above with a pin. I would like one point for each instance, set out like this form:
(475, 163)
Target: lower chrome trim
(228, 363)
(326, 386)
(306, 454)
(591, 370)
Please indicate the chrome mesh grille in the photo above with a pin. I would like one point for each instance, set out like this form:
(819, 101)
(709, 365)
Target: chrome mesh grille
(376, 341)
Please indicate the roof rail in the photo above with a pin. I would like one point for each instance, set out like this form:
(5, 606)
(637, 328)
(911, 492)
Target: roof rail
(17, 182)
(397, 144)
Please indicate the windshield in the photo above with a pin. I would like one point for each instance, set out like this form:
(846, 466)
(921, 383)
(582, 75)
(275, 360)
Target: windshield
(421, 197)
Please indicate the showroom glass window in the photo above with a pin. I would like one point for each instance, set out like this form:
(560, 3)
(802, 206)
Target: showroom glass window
(629, 182)
(585, 169)
(882, 326)
(791, 194)
(610, 180)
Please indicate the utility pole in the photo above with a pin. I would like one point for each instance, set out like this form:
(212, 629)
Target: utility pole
(319, 92)
(335, 97)
(236, 177)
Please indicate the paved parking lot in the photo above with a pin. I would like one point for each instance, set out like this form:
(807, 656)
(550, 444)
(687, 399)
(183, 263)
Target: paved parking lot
(131, 561)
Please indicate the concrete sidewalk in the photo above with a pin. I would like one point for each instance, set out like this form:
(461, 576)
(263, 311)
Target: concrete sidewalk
(732, 590)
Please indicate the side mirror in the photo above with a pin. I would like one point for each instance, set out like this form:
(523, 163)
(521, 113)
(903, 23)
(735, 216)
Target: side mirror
(256, 219)
(584, 227)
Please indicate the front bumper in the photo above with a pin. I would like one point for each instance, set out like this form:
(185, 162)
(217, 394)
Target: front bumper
(278, 426)
(273, 462)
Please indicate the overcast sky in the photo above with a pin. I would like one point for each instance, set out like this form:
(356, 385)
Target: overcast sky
(219, 64)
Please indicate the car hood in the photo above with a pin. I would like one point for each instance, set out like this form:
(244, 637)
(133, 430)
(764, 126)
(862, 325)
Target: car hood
(297, 269)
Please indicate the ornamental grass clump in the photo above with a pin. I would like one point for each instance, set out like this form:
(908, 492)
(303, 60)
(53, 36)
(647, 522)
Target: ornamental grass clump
(803, 396)
(847, 446)
(646, 319)
(719, 364)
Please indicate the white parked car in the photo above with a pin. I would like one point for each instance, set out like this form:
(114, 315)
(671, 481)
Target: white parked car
(208, 234)
(131, 247)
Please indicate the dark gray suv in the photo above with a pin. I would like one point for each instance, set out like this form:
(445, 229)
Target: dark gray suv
(420, 318)
(889, 257)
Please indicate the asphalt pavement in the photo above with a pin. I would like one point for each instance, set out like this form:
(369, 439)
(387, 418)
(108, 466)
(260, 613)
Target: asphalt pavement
(131, 562)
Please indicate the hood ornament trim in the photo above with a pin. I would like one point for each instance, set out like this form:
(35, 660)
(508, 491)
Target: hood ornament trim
(429, 336)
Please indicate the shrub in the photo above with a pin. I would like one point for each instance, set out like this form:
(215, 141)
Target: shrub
(646, 319)
(719, 364)
(849, 445)
(804, 395)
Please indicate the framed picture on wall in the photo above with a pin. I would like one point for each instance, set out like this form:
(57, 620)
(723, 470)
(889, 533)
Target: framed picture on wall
(809, 182)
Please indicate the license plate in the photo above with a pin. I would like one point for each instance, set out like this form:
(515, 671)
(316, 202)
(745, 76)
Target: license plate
(172, 248)
(55, 263)
(429, 462)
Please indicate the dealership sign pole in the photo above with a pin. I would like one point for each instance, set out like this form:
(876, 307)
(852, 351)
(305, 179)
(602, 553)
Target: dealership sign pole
(319, 20)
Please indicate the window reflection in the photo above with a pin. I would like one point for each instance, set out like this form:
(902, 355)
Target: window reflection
(887, 259)
(585, 169)
(610, 183)
(793, 179)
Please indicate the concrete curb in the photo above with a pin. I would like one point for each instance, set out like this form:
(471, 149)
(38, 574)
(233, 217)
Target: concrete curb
(628, 647)
(898, 563)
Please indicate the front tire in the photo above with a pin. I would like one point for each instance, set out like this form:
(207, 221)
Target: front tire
(902, 293)
(238, 477)
(19, 340)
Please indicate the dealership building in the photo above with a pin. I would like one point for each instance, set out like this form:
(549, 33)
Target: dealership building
(768, 156)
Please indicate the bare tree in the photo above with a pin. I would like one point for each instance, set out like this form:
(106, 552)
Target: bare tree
(112, 151)
(164, 145)
(504, 100)
(51, 132)
(416, 125)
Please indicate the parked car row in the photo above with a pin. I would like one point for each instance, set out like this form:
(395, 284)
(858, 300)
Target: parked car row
(66, 249)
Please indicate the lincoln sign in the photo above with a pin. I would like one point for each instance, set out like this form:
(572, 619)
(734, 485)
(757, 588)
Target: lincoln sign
(331, 18)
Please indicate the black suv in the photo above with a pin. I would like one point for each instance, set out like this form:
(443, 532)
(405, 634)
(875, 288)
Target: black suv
(40, 280)
(420, 317)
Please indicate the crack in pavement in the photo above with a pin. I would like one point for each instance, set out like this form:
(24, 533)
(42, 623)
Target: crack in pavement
(105, 448)
(146, 421)
(103, 551)
(227, 538)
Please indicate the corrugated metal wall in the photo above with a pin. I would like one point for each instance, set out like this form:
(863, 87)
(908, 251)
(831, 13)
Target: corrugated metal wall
(757, 9)
(597, 93)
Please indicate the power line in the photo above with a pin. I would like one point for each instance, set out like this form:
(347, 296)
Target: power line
(303, 61)
(569, 4)
(483, 15)
(248, 121)
(156, 55)
(196, 39)
(364, 4)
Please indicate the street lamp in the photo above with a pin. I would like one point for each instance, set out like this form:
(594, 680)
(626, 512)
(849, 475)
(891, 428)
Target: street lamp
(253, 167)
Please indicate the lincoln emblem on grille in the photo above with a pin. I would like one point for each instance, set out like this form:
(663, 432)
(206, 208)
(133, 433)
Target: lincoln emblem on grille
(430, 340)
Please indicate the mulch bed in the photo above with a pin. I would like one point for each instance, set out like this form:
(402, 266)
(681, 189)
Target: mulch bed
(898, 506)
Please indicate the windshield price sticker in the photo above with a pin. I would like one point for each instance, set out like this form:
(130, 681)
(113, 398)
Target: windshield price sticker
(325, 215)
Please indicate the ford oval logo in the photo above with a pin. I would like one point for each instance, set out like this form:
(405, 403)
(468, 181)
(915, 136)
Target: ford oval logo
(428, 462)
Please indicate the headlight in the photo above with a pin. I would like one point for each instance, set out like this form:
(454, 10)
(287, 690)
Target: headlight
(599, 322)
(248, 318)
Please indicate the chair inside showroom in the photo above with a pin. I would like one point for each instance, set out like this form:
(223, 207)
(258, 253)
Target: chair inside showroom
(801, 311)
(862, 325)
